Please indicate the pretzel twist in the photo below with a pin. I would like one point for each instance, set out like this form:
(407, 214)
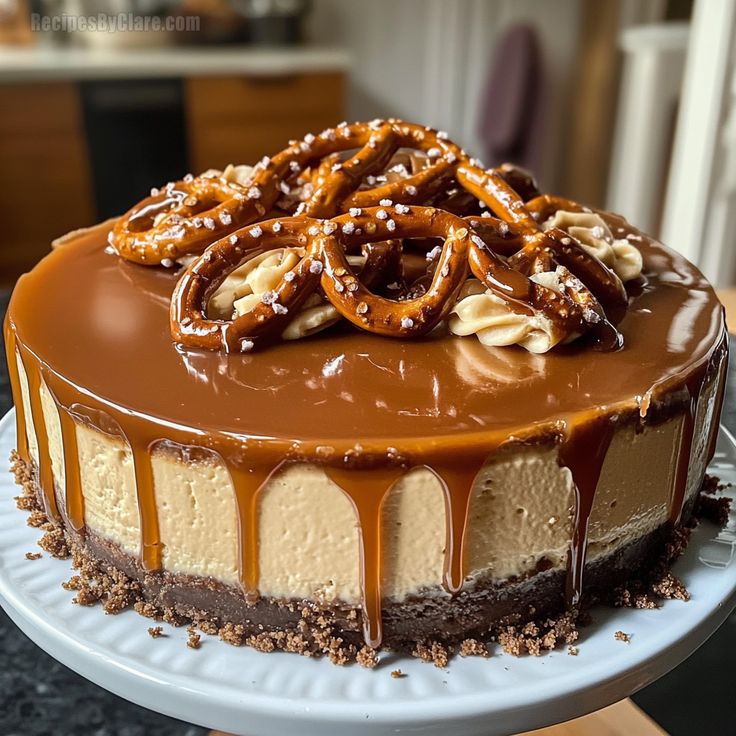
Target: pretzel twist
(324, 264)
(186, 216)
(591, 288)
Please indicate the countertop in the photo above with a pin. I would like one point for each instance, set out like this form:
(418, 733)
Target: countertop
(41, 697)
(45, 64)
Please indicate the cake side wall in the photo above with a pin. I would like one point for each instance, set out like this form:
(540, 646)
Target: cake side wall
(520, 512)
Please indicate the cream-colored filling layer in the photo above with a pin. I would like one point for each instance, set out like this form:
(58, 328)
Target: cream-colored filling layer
(521, 511)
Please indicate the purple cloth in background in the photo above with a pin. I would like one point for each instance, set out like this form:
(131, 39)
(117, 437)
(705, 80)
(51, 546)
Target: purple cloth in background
(511, 114)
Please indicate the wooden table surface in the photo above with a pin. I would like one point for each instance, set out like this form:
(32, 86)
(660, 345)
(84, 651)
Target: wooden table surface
(623, 718)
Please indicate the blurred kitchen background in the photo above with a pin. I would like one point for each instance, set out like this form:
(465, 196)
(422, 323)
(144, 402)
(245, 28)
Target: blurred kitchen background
(627, 104)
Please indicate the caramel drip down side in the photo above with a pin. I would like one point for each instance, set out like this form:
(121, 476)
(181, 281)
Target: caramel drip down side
(73, 482)
(151, 547)
(720, 391)
(583, 452)
(45, 471)
(367, 489)
(694, 387)
(11, 354)
(457, 479)
(247, 485)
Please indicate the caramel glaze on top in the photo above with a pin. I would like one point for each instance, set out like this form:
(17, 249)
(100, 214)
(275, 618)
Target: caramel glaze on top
(95, 328)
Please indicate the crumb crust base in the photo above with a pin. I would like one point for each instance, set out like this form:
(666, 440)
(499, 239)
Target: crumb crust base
(520, 615)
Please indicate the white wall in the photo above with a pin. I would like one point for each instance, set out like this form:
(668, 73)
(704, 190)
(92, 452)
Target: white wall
(427, 60)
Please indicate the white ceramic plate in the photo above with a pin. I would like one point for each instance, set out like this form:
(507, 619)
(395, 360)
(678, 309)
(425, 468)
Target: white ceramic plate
(242, 691)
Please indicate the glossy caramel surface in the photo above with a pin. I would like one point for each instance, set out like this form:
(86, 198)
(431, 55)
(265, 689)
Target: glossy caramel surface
(101, 323)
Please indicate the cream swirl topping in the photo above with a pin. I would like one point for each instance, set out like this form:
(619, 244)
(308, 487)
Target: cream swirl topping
(592, 232)
(492, 320)
(251, 284)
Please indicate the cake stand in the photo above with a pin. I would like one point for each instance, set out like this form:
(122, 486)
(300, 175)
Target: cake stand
(242, 691)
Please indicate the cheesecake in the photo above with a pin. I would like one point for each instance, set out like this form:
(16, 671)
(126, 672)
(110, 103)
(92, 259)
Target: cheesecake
(365, 395)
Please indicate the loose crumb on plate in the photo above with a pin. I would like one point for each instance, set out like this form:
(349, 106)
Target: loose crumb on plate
(396, 674)
(33, 555)
(621, 636)
(367, 657)
(155, 631)
(194, 640)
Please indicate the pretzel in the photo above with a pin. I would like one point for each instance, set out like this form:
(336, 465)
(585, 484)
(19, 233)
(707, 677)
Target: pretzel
(186, 216)
(591, 288)
(503, 253)
(327, 244)
(325, 265)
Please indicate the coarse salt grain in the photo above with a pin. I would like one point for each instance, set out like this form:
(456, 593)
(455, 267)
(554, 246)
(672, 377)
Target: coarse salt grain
(276, 227)
(254, 193)
(226, 218)
(256, 232)
(386, 202)
(382, 215)
(407, 323)
(316, 267)
(355, 211)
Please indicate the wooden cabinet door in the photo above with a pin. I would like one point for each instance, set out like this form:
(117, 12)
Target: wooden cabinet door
(239, 120)
(45, 181)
